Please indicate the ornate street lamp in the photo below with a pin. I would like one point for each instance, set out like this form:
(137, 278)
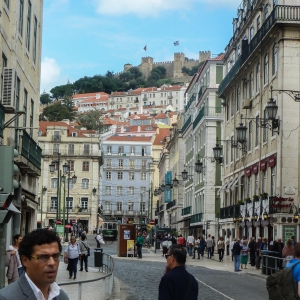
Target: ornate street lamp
(175, 182)
(271, 110)
(184, 174)
(52, 167)
(199, 166)
(241, 132)
(94, 191)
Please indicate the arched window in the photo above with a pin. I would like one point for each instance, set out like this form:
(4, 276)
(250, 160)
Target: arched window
(266, 69)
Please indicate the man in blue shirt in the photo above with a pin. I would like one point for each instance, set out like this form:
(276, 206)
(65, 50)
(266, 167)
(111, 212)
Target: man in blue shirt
(296, 269)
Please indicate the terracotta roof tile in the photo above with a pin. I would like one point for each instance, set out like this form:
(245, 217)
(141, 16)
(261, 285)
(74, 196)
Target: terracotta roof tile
(43, 128)
(159, 138)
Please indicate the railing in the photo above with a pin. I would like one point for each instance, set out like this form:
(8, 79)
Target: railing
(171, 204)
(170, 97)
(56, 138)
(108, 279)
(30, 150)
(186, 124)
(285, 13)
(71, 152)
(203, 88)
(161, 208)
(207, 112)
(196, 218)
(272, 264)
(137, 153)
(192, 99)
(2, 118)
(118, 212)
(186, 211)
(229, 211)
(53, 209)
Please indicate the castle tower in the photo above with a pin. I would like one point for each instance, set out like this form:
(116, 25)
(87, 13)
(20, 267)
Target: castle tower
(146, 66)
(127, 67)
(178, 64)
(204, 55)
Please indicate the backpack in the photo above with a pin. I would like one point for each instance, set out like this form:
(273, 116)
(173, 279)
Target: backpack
(282, 285)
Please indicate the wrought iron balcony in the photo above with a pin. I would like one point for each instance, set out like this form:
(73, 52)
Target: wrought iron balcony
(170, 97)
(161, 208)
(171, 204)
(186, 124)
(207, 112)
(230, 211)
(196, 218)
(186, 211)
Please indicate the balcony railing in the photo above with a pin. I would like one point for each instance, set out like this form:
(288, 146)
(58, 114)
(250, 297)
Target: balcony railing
(186, 211)
(186, 124)
(2, 117)
(161, 208)
(30, 150)
(207, 112)
(66, 152)
(202, 89)
(56, 138)
(192, 99)
(170, 97)
(118, 212)
(280, 14)
(196, 218)
(230, 211)
(171, 204)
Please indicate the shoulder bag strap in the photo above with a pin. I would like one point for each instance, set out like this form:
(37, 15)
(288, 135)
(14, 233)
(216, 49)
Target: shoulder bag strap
(84, 245)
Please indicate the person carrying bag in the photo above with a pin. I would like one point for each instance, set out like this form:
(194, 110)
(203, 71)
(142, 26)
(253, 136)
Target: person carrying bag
(85, 252)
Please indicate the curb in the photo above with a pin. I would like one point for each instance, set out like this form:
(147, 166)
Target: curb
(120, 290)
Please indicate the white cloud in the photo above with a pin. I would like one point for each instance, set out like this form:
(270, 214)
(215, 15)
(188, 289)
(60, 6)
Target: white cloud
(50, 73)
(153, 7)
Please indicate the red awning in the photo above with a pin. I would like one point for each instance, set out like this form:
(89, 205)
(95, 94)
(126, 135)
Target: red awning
(255, 169)
(272, 160)
(263, 164)
(248, 172)
(68, 226)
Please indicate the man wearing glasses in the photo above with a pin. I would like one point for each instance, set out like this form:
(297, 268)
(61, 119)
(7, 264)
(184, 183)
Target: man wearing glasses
(40, 253)
(177, 283)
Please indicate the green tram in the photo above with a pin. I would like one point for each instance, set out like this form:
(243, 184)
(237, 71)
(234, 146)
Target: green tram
(110, 230)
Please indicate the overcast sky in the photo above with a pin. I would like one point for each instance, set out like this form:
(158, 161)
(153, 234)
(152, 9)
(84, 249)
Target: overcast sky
(89, 37)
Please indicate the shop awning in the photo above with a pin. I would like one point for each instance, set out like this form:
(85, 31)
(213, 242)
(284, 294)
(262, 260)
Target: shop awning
(230, 184)
(236, 181)
(223, 187)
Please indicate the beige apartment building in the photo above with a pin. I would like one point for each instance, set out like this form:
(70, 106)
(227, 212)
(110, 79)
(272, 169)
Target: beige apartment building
(80, 150)
(20, 47)
(259, 196)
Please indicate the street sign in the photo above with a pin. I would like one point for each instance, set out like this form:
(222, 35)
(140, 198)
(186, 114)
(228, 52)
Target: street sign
(152, 222)
(60, 229)
(73, 221)
(59, 222)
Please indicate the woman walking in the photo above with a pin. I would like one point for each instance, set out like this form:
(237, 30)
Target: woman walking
(84, 249)
(202, 246)
(244, 254)
(221, 247)
(72, 252)
(13, 261)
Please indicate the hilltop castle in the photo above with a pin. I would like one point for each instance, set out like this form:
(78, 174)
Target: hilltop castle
(174, 68)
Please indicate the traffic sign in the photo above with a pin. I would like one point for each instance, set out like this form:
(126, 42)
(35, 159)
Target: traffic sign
(58, 222)
(152, 222)
(73, 221)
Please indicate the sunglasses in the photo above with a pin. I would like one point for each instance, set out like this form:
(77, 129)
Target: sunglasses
(167, 255)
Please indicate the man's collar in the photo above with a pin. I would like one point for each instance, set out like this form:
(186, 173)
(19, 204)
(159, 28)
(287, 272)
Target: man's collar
(54, 289)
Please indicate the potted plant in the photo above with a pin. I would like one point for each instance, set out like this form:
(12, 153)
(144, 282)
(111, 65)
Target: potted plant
(264, 195)
(247, 200)
(255, 198)
(241, 202)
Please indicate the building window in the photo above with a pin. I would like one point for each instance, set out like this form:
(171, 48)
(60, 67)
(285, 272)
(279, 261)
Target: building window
(108, 162)
(250, 136)
(131, 176)
(107, 205)
(119, 191)
(258, 22)
(251, 86)
(108, 175)
(273, 187)
(85, 166)
(131, 164)
(242, 187)
(144, 152)
(232, 104)
(84, 203)
(265, 129)
(251, 33)
(266, 69)
(119, 206)
(120, 163)
(108, 190)
(256, 184)
(53, 183)
(249, 187)
(71, 184)
(71, 165)
(264, 181)
(7, 3)
(85, 183)
(34, 39)
(86, 149)
(231, 152)
(55, 148)
(142, 206)
(258, 77)
(274, 66)
(131, 190)
(28, 26)
(227, 109)
(245, 89)
(108, 149)
(25, 108)
(227, 152)
(53, 203)
(266, 12)
(238, 98)
(143, 176)
(256, 131)
(144, 164)
(21, 13)
(143, 190)
(120, 150)
(239, 50)
(120, 175)
(130, 206)
(69, 202)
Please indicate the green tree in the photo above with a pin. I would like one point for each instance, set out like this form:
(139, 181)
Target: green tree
(45, 98)
(60, 91)
(135, 72)
(126, 76)
(91, 120)
(55, 112)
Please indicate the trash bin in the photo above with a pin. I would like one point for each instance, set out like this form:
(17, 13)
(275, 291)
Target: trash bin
(157, 245)
(98, 257)
(269, 263)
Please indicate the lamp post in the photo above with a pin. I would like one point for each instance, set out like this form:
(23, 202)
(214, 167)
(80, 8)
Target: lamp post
(44, 190)
(67, 170)
(52, 169)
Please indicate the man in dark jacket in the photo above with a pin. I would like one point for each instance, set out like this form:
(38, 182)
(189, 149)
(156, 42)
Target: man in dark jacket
(236, 252)
(177, 283)
(252, 251)
(257, 253)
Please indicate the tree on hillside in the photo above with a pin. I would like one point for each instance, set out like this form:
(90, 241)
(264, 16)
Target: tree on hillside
(135, 72)
(126, 76)
(158, 73)
(45, 98)
(55, 112)
(91, 120)
(60, 91)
